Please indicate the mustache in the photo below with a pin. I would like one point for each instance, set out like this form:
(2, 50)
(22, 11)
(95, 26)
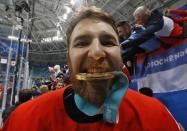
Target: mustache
(92, 65)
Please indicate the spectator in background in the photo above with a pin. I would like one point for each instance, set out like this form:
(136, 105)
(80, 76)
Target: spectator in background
(23, 96)
(58, 85)
(103, 102)
(57, 70)
(35, 91)
(124, 30)
(155, 24)
(38, 82)
(44, 89)
(57, 74)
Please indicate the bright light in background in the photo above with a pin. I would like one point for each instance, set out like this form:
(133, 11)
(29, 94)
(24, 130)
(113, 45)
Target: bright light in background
(3, 61)
(58, 33)
(16, 38)
(65, 16)
(68, 9)
(12, 37)
(77, 3)
(50, 39)
(13, 63)
(24, 40)
(58, 24)
(72, 2)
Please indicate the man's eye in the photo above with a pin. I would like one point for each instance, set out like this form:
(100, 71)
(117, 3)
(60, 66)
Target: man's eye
(109, 43)
(81, 44)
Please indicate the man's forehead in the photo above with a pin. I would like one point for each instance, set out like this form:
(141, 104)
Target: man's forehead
(86, 25)
(88, 22)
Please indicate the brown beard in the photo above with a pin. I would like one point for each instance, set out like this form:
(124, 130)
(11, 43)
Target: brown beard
(94, 91)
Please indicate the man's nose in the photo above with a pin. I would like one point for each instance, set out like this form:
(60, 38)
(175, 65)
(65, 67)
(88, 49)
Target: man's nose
(96, 50)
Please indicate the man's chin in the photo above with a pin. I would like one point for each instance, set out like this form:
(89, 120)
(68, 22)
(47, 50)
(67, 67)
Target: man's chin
(99, 85)
(94, 91)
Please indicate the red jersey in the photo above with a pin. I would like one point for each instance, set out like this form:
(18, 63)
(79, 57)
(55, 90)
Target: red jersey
(47, 113)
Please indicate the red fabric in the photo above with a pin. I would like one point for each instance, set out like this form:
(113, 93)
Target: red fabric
(172, 39)
(47, 113)
(182, 13)
(178, 20)
(177, 30)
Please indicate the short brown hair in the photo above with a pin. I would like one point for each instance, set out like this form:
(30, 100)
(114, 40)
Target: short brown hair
(44, 89)
(89, 12)
(123, 23)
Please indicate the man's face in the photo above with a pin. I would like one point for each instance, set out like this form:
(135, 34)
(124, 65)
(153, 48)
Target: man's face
(141, 19)
(124, 31)
(59, 85)
(94, 48)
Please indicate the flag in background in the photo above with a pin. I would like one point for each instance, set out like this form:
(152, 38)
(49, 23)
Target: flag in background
(165, 72)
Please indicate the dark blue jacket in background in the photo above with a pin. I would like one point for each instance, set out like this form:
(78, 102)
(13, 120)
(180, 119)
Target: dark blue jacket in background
(154, 24)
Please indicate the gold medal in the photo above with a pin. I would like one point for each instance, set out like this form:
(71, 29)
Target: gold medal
(94, 76)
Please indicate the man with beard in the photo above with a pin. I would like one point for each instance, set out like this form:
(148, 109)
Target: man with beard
(124, 30)
(99, 98)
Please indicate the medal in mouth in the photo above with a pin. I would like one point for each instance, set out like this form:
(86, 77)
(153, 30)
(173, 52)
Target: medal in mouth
(95, 71)
(95, 74)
